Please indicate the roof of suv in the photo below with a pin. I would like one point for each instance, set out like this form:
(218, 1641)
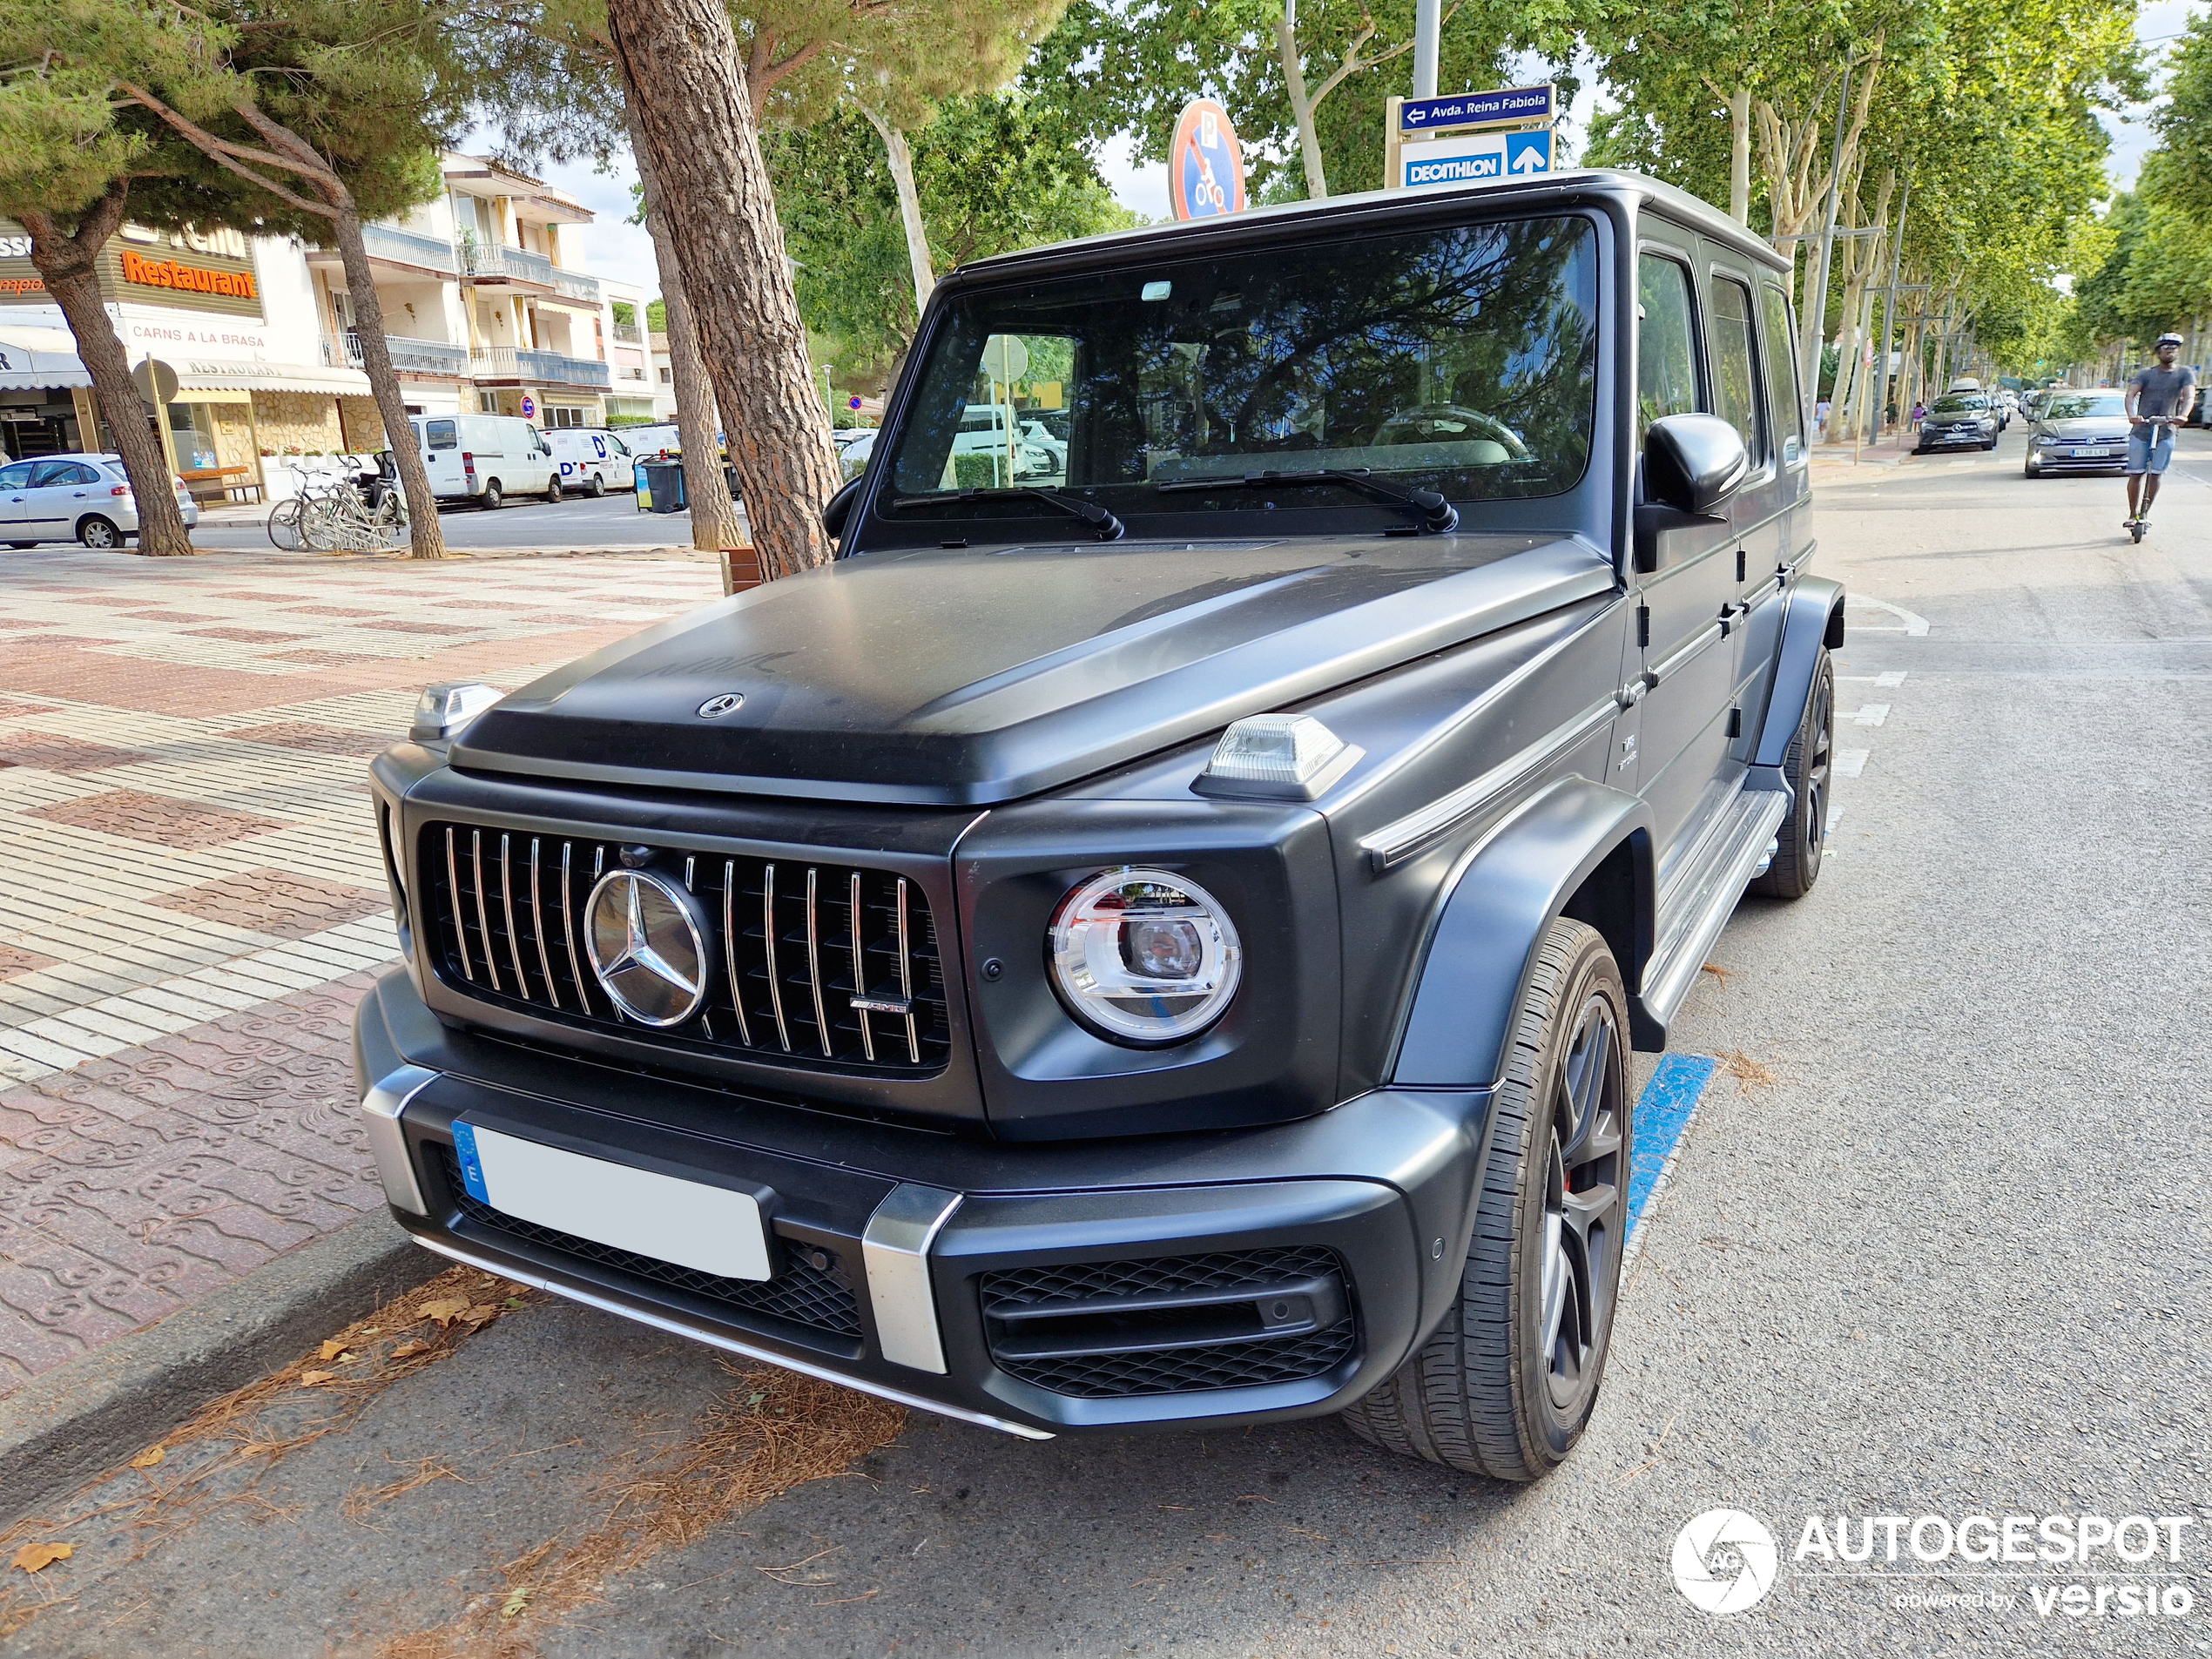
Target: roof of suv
(1272, 223)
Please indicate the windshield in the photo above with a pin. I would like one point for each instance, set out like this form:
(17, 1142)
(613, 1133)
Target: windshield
(1960, 405)
(2077, 406)
(1463, 360)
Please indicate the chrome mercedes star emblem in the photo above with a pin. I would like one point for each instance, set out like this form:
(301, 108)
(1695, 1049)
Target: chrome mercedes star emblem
(715, 707)
(647, 940)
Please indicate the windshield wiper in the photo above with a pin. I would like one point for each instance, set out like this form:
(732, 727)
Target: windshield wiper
(1438, 515)
(1110, 527)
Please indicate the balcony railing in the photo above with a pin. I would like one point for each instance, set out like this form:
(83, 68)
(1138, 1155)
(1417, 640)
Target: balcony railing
(544, 368)
(408, 356)
(409, 247)
(627, 333)
(490, 263)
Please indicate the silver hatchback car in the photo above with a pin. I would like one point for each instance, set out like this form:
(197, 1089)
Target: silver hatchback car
(77, 497)
(2077, 431)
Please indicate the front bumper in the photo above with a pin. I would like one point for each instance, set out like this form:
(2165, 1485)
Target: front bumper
(1954, 437)
(898, 1242)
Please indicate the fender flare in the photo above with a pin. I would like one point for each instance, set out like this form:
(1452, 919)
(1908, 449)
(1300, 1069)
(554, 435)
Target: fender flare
(1813, 622)
(1513, 885)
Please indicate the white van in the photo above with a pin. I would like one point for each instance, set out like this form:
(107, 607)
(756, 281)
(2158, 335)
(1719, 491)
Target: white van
(486, 458)
(592, 459)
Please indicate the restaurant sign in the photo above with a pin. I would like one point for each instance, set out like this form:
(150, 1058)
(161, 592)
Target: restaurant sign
(187, 270)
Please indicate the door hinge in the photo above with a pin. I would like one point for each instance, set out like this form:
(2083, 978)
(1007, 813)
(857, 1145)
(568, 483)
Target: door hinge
(1736, 723)
(1739, 565)
(1643, 626)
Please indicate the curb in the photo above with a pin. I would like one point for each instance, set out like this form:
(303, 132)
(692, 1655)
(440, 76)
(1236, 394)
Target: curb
(74, 1423)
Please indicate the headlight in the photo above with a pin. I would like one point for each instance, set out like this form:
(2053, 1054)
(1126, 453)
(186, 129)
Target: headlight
(1144, 957)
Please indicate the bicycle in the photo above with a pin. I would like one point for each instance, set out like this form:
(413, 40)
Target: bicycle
(335, 517)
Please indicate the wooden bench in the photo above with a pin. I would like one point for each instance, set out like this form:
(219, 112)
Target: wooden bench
(207, 483)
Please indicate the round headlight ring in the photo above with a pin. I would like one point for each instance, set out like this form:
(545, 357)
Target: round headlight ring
(1143, 957)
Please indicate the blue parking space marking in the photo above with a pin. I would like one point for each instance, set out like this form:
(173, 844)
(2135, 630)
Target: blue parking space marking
(1662, 1112)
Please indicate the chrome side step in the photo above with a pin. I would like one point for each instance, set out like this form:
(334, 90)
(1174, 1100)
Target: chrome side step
(1700, 904)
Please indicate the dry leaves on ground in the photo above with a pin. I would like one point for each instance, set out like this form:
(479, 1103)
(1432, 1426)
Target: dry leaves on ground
(1750, 1074)
(772, 1431)
(36, 1558)
(265, 1420)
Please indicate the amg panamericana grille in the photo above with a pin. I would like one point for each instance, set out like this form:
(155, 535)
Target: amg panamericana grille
(794, 945)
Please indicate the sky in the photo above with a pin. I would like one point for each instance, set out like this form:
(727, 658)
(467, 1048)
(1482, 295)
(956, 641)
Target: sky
(614, 248)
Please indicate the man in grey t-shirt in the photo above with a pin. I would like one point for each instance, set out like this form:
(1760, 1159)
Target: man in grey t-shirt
(2159, 398)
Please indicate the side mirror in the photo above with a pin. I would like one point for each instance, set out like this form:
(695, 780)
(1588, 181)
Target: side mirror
(839, 507)
(1693, 462)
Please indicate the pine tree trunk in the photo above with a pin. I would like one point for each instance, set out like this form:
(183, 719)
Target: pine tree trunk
(425, 536)
(681, 70)
(901, 157)
(1309, 140)
(714, 515)
(67, 265)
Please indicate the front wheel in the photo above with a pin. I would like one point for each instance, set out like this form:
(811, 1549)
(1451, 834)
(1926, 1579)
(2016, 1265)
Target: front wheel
(99, 533)
(1801, 841)
(596, 487)
(1506, 1385)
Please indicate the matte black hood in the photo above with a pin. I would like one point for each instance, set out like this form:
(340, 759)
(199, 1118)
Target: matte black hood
(970, 675)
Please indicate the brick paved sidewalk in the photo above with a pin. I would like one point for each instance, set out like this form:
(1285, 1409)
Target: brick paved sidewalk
(190, 897)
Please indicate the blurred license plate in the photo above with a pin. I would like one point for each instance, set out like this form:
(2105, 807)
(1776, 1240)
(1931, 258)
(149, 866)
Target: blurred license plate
(711, 1229)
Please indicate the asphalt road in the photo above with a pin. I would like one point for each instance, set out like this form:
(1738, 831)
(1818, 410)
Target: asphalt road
(1950, 1262)
(613, 520)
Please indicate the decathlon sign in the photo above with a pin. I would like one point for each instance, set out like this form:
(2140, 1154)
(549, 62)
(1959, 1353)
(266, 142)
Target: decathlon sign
(1474, 159)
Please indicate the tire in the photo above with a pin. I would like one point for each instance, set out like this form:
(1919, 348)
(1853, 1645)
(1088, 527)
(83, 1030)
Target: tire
(492, 500)
(1488, 1393)
(597, 487)
(284, 525)
(96, 532)
(1800, 841)
(553, 491)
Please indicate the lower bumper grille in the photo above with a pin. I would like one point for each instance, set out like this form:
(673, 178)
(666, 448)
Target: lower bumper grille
(1172, 1324)
(821, 1299)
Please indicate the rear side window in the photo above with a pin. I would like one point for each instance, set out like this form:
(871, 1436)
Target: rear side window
(1785, 404)
(442, 434)
(1735, 387)
(1666, 347)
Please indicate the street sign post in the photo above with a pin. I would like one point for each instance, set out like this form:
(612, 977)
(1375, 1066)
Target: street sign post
(1205, 166)
(1503, 134)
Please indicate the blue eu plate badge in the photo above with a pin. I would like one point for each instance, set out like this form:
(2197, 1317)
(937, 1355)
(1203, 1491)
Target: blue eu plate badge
(472, 1166)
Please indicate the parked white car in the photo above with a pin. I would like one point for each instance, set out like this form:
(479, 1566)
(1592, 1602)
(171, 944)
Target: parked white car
(652, 443)
(75, 497)
(983, 431)
(592, 459)
(486, 458)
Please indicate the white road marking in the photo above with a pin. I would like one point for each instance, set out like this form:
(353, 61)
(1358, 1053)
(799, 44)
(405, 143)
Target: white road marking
(1913, 623)
(1872, 714)
(1835, 817)
(1888, 681)
(1850, 762)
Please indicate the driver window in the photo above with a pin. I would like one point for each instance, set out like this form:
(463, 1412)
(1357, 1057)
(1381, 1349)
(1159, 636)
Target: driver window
(1666, 353)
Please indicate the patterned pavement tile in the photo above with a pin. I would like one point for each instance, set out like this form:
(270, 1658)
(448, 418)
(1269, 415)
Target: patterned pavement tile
(49, 753)
(275, 903)
(160, 818)
(191, 899)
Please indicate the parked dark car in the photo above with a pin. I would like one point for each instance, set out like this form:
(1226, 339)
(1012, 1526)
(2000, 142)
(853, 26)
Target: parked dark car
(1160, 945)
(2079, 432)
(1958, 420)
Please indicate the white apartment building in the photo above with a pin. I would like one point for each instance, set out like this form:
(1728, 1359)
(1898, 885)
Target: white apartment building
(630, 396)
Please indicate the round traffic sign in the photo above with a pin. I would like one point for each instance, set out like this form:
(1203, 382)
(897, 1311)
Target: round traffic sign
(1006, 360)
(156, 381)
(1205, 166)
(529, 405)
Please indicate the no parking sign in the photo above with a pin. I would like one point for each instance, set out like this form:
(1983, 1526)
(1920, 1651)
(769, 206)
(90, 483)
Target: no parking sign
(1205, 167)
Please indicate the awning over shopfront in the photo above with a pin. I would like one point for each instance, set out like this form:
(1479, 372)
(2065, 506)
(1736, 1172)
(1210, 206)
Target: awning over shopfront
(36, 359)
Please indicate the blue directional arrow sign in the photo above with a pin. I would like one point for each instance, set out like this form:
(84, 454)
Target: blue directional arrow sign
(1528, 153)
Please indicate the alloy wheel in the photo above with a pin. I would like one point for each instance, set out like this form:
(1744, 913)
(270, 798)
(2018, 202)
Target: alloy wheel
(1585, 1207)
(1813, 810)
